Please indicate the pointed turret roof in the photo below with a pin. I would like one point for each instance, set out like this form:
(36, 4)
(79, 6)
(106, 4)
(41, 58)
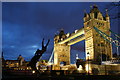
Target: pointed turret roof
(61, 33)
(107, 13)
(85, 14)
(95, 10)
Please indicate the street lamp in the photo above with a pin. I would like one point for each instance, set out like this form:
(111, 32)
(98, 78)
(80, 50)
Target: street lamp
(88, 54)
(33, 71)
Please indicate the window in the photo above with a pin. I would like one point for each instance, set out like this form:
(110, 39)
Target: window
(102, 44)
(96, 34)
(98, 44)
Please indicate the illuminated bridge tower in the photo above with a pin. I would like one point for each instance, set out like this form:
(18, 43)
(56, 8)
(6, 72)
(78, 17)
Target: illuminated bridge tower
(61, 51)
(94, 43)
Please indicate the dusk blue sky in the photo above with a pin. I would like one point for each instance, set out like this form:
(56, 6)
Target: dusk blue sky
(25, 24)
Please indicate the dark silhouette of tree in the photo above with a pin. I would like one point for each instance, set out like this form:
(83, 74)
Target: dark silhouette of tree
(37, 55)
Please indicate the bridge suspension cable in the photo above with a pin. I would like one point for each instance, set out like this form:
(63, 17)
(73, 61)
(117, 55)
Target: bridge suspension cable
(107, 37)
(115, 34)
(110, 39)
(117, 37)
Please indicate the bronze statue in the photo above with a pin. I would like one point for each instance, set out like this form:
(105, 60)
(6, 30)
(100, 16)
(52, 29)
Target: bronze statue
(37, 55)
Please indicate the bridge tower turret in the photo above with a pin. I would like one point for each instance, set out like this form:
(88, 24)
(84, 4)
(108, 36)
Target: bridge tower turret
(61, 51)
(94, 43)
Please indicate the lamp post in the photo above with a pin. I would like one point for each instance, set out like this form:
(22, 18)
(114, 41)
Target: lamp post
(88, 61)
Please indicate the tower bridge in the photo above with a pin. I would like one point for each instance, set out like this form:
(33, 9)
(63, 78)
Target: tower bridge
(95, 44)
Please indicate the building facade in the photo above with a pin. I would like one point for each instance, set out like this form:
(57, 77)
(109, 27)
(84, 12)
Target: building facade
(95, 45)
(61, 51)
